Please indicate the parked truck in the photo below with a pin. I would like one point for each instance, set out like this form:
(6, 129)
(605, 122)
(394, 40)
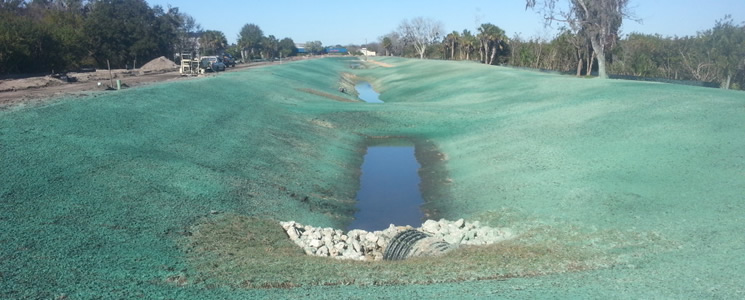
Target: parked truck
(228, 60)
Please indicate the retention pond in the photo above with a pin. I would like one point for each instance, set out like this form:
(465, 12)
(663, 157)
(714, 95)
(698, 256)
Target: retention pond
(389, 189)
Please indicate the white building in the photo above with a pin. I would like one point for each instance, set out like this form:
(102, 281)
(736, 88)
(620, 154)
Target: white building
(366, 52)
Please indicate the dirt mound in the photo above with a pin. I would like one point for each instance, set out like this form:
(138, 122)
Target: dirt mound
(159, 64)
(26, 83)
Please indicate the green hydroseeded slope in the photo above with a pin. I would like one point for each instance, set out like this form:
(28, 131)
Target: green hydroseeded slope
(614, 188)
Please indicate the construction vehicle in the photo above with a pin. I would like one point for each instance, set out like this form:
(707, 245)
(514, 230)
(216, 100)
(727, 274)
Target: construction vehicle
(190, 65)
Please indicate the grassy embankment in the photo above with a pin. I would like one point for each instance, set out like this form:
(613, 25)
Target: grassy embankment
(113, 194)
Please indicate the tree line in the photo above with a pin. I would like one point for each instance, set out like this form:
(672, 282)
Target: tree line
(588, 43)
(47, 36)
(59, 35)
(253, 44)
(43, 36)
(715, 55)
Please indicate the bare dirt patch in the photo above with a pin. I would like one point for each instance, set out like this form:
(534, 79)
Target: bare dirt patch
(39, 89)
(382, 64)
(36, 90)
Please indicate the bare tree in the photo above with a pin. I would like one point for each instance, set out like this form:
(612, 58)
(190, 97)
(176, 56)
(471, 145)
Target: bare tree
(421, 33)
(393, 43)
(188, 35)
(600, 20)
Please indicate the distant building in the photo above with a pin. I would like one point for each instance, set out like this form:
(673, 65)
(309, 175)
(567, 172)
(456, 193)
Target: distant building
(300, 48)
(366, 52)
(337, 50)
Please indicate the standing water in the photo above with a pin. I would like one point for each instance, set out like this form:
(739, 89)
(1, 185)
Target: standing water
(367, 93)
(389, 189)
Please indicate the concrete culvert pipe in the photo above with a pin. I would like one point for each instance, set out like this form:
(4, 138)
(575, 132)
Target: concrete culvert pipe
(414, 243)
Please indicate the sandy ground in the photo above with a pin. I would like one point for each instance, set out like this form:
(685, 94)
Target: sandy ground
(382, 64)
(39, 89)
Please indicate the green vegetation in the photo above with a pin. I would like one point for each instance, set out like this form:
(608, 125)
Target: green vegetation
(713, 57)
(212, 42)
(614, 188)
(314, 47)
(250, 39)
(61, 36)
(46, 36)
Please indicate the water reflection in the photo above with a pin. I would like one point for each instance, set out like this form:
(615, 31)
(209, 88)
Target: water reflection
(389, 189)
(367, 93)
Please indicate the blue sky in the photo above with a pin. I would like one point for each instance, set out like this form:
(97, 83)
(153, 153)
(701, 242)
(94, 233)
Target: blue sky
(354, 22)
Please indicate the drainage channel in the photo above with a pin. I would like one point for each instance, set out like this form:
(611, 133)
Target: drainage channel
(389, 189)
(390, 194)
(367, 93)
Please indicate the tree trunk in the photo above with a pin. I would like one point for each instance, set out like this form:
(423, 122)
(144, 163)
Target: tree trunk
(727, 83)
(588, 68)
(481, 52)
(493, 53)
(601, 65)
(452, 50)
(579, 62)
(599, 51)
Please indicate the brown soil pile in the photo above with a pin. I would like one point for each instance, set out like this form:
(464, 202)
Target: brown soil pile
(31, 82)
(159, 64)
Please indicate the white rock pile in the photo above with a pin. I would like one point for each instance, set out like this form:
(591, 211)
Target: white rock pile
(466, 233)
(363, 245)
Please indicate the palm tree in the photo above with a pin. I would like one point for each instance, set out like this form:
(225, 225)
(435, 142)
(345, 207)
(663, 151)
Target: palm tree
(270, 47)
(387, 45)
(467, 44)
(491, 37)
(212, 41)
(450, 42)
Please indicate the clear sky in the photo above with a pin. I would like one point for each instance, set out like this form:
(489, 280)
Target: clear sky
(355, 22)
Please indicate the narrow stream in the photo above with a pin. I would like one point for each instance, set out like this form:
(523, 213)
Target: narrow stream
(389, 189)
(367, 93)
